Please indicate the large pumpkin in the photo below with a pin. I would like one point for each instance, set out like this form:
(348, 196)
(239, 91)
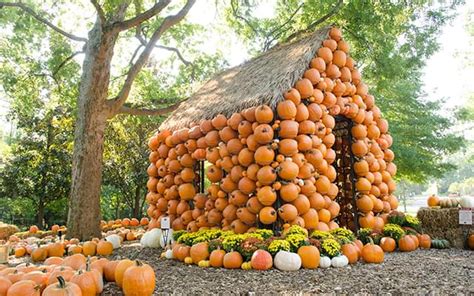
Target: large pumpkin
(139, 279)
(372, 253)
(199, 251)
(261, 260)
(309, 256)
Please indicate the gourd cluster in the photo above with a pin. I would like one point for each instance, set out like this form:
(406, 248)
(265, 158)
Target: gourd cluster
(276, 165)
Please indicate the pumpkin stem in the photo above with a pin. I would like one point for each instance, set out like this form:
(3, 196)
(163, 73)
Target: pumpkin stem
(371, 241)
(61, 282)
(138, 263)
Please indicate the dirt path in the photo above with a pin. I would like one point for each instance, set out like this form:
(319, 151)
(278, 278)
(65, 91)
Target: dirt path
(438, 272)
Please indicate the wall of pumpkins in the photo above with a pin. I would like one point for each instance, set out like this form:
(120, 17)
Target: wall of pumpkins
(270, 166)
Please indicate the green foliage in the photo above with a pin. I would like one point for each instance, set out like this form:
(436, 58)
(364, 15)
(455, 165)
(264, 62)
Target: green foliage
(391, 42)
(178, 234)
(278, 245)
(296, 241)
(364, 234)
(296, 229)
(393, 230)
(343, 234)
(265, 233)
(413, 222)
(318, 234)
(330, 247)
(396, 217)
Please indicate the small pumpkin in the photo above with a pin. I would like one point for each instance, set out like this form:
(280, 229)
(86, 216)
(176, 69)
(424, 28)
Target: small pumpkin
(339, 261)
(263, 114)
(232, 260)
(216, 259)
(104, 248)
(287, 261)
(388, 244)
(325, 262)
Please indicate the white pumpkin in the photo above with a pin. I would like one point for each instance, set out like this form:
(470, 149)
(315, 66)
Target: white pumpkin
(324, 262)
(287, 261)
(339, 261)
(151, 239)
(115, 239)
(467, 202)
(169, 254)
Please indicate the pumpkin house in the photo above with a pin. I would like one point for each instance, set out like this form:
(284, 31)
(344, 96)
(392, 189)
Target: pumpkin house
(291, 136)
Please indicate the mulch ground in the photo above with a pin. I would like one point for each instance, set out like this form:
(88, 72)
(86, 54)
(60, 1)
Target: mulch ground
(434, 272)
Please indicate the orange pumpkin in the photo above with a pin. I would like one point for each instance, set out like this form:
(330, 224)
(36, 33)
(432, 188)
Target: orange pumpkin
(86, 282)
(120, 269)
(216, 259)
(199, 251)
(62, 288)
(39, 254)
(261, 260)
(263, 114)
(5, 284)
(351, 252)
(109, 270)
(139, 279)
(286, 110)
(105, 248)
(372, 253)
(232, 260)
(406, 244)
(89, 248)
(309, 256)
(388, 244)
(267, 215)
(22, 288)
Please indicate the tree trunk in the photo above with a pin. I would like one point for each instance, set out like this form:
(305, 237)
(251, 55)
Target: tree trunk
(84, 205)
(136, 204)
(40, 215)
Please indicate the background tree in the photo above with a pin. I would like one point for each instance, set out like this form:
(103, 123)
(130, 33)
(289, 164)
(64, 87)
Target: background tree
(391, 42)
(38, 173)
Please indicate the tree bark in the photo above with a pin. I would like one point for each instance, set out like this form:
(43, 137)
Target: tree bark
(84, 204)
(40, 215)
(136, 204)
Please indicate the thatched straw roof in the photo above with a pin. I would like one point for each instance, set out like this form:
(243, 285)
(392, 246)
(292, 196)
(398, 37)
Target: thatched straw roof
(261, 80)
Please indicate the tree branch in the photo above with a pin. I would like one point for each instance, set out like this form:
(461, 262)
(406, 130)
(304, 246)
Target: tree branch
(175, 50)
(238, 16)
(100, 12)
(139, 36)
(311, 26)
(42, 20)
(275, 33)
(148, 112)
(167, 23)
(65, 61)
(140, 18)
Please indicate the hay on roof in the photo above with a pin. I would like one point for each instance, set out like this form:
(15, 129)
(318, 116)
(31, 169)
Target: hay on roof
(261, 80)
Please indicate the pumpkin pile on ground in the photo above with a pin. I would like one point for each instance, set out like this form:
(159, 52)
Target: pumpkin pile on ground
(295, 248)
(271, 166)
(76, 275)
